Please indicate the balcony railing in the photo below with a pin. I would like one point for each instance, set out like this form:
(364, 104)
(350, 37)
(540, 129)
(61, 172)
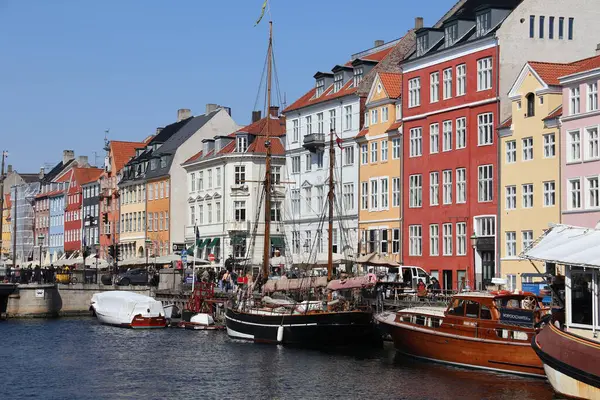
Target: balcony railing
(238, 226)
(314, 142)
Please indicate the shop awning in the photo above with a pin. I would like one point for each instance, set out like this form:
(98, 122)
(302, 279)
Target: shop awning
(204, 243)
(277, 241)
(215, 242)
(567, 245)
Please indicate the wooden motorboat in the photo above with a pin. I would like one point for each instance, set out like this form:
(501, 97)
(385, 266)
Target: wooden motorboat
(485, 330)
(128, 309)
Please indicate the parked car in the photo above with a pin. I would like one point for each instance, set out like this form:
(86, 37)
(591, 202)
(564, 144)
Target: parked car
(135, 276)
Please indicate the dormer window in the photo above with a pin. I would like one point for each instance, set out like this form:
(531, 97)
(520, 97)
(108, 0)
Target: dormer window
(338, 82)
(358, 75)
(422, 44)
(241, 143)
(163, 161)
(451, 34)
(484, 23)
(153, 164)
(320, 87)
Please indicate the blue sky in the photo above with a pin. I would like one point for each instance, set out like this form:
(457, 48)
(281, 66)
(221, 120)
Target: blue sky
(71, 69)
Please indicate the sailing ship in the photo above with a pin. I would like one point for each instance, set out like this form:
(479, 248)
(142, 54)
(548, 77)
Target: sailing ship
(483, 330)
(321, 321)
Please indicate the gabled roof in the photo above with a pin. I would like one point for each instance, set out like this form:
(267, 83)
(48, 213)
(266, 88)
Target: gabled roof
(49, 177)
(362, 133)
(506, 124)
(310, 98)
(392, 83)
(557, 112)
(87, 175)
(550, 72)
(394, 127)
(276, 127)
(168, 131)
(122, 152)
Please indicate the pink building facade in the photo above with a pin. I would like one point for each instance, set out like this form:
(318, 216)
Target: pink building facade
(580, 164)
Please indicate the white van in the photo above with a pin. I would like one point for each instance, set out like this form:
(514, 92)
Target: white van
(406, 275)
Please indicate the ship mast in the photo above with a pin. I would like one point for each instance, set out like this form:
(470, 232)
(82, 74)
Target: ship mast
(267, 182)
(330, 200)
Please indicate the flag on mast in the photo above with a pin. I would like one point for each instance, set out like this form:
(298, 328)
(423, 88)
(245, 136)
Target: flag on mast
(262, 13)
(197, 248)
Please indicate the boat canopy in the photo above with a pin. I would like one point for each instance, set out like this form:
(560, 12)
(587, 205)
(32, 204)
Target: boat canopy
(358, 282)
(286, 284)
(567, 245)
(377, 260)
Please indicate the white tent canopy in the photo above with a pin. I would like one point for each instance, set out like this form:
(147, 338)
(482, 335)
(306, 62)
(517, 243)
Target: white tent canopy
(567, 245)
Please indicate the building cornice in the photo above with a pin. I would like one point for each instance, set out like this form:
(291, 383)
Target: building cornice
(579, 76)
(443, 110)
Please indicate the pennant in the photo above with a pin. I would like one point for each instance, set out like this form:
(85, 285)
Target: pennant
(197, 237)
(262, 13)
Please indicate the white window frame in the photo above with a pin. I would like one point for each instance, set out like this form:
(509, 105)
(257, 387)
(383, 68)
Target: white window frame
(415, 191)
(461, 133)
(484, 74)
(511, 151)
(574, 194)
(447, 186)
(461, 79)
(434, 188)
(447, 239)
(396, 148)
(384, 150)
(416, 142)
(549, 145)
(415, 239)
(510, 193)
(511, 243)
(461, 238)
(549, 194)
(527, 196)
(414, 92)
(592, 150)
(396, 184)
(434, 138)
(592, 191)
(527, 149)
(485, 183)
(461, 185)
(447, 83)
(592, 96)
(485, 129)
(434, 87)
(447, 135)
(574, 100)
(574, 146)
(434, 240)
(374, 152)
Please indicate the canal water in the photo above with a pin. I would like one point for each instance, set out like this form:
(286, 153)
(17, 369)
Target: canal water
(77, 358)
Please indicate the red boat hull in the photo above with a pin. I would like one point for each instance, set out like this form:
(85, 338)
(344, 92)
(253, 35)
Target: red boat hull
(140, 322)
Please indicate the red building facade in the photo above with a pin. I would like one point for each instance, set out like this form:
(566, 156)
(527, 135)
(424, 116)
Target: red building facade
(450, 177)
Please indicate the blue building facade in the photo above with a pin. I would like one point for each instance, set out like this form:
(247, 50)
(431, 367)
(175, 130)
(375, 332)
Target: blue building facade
(57, 226)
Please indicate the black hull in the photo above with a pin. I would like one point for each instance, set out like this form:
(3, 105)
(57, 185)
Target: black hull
(306, 330)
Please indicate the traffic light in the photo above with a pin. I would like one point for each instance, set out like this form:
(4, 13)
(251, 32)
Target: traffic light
(118, 255)
(105, 218)
(111, 251)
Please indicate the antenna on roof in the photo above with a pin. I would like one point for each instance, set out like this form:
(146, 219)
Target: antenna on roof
(106, 142)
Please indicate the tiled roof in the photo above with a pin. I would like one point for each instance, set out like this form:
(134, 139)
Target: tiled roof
(276, 127)
(587, 64)
(66, 177)
(122, 152)
(227, 149)
(258, 146)
(392, 82)
(87, 175)
(310, 97)
(362, 133)
(506, 124)
(378, 56)
(394, 126)
(550, 72)
(193, 158)
(557, 112)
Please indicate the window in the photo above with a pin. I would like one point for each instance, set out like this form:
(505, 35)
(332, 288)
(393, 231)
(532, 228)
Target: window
(395, 192)
(385, 192)
(295, 194)
(461, 185)
(574, 194)
(549, 194)
(358, 75)
(574, 104)
(434, 240)
(349, 155)
(320, 156)
(348, 194)
(320, 196)
(398, 111)
(550, 27)
(511, 244)
(241, 143)
(527, 144)
(201, 180)
(527, 194)
(532, 26)
(574, 140)
(395, 148)
(320, 86)
(447, 83)
(217, 213)
(308, 122)
(275, 212)
(447, 186)
(332, 120)
(414, 92)
(561, 26)
(447, 239)
(571, 21)
(240, 174)
(239, 211)
(461, 133)
(364, 196)
(373, 152)
(364, 154)
(483, 23)
(384, 114)
(308, 199)
(486, 183)
(592, 146)
(530, 105)
(295, 164)
(542, 18)
(395, 241)
(549, 145)
(374, 195)
(485, 124)
(384, 150)
(451, 34)
(422, 44)
(200, 214)
(295, 130)
(434, 138)
(210, 180)
(527, 239)
(484, 74)
(415, 240)
(592, 198)
(461, 79)
(415, 191)
(434, 188)
(275, 175)
(347, 118)
(592, 92)
(447, 136)
(338, 82)
(511, 197)
(320, 124)
(434, 87)
(461, 238)
(416, 142)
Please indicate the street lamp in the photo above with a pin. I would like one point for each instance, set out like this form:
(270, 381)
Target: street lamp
(474, 240)
(97, 246)
(41, 238)
(148, 242)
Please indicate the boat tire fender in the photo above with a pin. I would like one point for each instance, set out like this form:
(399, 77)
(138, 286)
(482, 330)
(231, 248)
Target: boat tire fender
(280, 334)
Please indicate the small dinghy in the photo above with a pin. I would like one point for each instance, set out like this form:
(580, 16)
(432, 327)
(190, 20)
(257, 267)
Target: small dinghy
(201, 322)
(128, 310)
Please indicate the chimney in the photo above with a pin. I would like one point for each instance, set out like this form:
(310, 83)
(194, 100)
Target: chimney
(274, 111)
(210, 107)
(256, 116)
(9, 170)
(68, 155)
(598, 49)
(82, 161)
(158, 130)
(42, 173)
(183, 113)
(418, 22)
(378, 43)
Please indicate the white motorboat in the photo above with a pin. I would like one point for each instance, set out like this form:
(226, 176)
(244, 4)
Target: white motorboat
(128, 309)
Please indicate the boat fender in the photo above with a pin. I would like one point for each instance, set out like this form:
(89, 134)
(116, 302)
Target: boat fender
(280, 334)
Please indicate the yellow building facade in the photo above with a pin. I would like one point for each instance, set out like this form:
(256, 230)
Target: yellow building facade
(380, 173)
(529, 170)
(6, 227)
(132, 224)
